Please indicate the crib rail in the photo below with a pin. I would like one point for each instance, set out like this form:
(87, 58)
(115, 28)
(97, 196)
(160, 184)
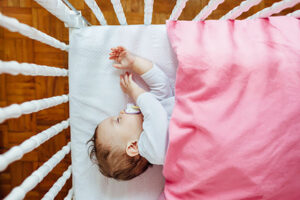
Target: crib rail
(37, 176)
(14, 25)
(275, 8)
(96, 10)
(295, 14)
(69, 195)
(51, 194)
(243, 7)
(71, 19)
(177, 10)
(62, 12)
(119, 11)
(16, 110)
(15, 68)
(148, 11)
(17, 152)
(203, 14)
(76, 12)
(207, 10)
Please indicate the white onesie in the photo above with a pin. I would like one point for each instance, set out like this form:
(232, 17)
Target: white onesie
(156, 106)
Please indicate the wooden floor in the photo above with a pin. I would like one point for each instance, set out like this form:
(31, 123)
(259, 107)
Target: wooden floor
(17, 89)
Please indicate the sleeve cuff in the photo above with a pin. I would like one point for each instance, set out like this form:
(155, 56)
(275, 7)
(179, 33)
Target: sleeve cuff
(142, 96)
(150, 73)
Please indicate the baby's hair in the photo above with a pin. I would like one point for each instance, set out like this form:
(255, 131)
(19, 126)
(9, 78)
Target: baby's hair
(115, 163)
(92, 153)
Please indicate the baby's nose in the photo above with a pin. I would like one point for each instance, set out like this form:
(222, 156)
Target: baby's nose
(122, 112)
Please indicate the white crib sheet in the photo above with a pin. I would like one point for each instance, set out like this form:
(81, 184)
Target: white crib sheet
(95, 93)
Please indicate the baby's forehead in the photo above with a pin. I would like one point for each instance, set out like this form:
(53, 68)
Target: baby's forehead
(105, 122)
(104, 126)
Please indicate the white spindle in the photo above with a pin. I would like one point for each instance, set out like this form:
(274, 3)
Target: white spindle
(243, 7)
(295, 14)
(16, 110)
(51, 194)
(177, 10)
(14, 25)
(205, 12)
(17, 152)
(96, 10)
(69, 195)
(15, 68)
(119, 11)
(275, 8)
(62, 12)
(38, 175)
(148, 11)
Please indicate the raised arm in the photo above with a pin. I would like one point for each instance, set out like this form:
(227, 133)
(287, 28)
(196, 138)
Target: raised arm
(127, 60)
(130, 87)
(156, 79)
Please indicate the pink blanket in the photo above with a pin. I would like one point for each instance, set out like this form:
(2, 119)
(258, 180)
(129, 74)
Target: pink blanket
(235, 128)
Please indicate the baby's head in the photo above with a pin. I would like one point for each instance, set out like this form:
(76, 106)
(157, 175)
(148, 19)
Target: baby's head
(115, 146)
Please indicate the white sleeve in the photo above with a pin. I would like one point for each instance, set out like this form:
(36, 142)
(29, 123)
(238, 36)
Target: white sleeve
(153, 140)
(158, 83)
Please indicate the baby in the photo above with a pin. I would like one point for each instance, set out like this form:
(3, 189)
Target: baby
(127, 144)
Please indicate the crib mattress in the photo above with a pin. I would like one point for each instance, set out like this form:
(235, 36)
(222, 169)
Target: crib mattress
(95, 93)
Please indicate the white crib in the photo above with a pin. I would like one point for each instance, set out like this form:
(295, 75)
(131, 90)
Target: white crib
(64, 11)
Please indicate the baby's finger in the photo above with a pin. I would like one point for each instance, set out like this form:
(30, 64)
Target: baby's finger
(123, 53)
(121, 48)
(126, 78)
(122, 87)
(122, 81)
(118, 66)
(115, 51)
(130, 77)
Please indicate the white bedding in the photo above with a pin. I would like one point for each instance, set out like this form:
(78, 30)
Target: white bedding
(95, 94)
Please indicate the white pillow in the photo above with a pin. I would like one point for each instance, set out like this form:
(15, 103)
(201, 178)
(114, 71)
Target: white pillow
(95, 94)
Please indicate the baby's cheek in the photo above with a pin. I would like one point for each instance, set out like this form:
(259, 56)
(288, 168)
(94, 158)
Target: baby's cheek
(140, 121)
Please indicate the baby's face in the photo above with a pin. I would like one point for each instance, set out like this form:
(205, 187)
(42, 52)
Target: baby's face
(120, 129)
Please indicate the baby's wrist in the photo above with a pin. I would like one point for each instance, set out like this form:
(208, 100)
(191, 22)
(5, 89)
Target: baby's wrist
(135, 67)
(136, 93)
(141, 65)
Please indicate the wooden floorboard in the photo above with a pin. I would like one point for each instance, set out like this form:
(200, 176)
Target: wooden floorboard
(17, 89)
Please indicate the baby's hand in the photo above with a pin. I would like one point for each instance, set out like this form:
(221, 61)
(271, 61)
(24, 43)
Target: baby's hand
(130, 87)
(123, 58)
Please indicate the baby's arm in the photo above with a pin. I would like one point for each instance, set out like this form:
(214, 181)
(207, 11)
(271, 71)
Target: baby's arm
(155, 78)
(158, 83)
(127, 60)
(153, 140)
(130, 87)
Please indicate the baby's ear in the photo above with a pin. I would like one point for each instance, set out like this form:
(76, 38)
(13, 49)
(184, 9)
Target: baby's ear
(132, 148)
